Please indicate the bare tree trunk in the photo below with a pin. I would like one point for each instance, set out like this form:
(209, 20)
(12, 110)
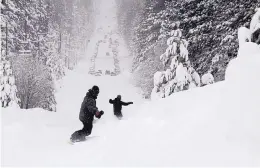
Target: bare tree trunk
(23, 101)
(60, 44)
(27, 101)
(6, 33)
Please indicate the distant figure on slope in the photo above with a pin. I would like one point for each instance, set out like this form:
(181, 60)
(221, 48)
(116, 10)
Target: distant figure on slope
(117, 105)
(87, 112)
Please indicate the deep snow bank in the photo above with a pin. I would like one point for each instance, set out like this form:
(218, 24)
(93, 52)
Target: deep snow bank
(241, 99)
(216, 125)
(36, 137)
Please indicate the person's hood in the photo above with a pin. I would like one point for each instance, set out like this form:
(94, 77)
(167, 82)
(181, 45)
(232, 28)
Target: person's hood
(116, 99)
(91, 94)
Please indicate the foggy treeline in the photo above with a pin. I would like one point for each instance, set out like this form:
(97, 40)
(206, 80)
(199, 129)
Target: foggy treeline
(210, 27)
(40, 40)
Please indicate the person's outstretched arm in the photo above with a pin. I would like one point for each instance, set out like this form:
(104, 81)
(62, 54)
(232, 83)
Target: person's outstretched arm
(126, 103)
(111, 101)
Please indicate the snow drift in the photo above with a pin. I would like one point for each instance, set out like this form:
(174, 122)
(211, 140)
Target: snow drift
(216, 125)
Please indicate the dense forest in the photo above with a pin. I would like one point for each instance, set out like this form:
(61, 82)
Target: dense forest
(175, 44)
(40, 39)
(210, 27)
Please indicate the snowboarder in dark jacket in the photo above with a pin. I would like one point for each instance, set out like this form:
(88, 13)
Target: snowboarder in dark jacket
(117, 105)
(87, 112)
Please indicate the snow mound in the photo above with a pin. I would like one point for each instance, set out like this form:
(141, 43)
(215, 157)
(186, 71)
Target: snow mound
(208, 126)
(207, 79)
(244, 35)
(244, 68)
(241, 99)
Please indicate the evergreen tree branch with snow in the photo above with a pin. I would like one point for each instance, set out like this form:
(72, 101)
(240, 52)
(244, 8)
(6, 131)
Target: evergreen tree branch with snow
(179, 74)
(9, 95)
(53, 33)
(210, 27)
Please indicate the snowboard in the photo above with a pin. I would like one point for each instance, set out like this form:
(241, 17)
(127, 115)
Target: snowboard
(72, 142)
(119, 117)
(77, 137)
(75, 141)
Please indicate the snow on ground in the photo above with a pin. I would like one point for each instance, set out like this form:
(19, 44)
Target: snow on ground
(209, 126)
(106, 25)
(39, 138)
(216, 125)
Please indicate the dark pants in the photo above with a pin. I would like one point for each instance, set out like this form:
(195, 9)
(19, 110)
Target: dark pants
(85, 131)
(87, 128)
(118, 114)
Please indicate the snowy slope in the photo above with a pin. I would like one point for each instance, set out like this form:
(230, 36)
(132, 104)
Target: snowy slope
(106, 25)
(216, 125)
(43, 135)
(192, 128)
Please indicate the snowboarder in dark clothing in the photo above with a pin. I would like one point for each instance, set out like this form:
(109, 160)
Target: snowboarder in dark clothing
(87, 112)
(117, 105)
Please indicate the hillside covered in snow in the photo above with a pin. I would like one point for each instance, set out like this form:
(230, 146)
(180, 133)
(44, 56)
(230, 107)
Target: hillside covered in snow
(189, 120)
(216, 125)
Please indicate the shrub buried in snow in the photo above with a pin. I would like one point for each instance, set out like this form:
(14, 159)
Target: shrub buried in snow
(207, 79)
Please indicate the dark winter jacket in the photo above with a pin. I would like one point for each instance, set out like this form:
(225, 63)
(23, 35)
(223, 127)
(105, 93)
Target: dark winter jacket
(88, 108)
(117, 104)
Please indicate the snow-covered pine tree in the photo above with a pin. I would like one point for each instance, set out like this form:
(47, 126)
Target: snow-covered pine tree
(211, 29)
(168, 16)
(140, 23)
(55, 61)
(93, 59)
(115, 57)
(7, 81)
(50, 29)
(250, 35)
(8, 87)
(146, 32)
(92, 65)
(253, 33)
(179, 74)
(255, 27)
(144, 74)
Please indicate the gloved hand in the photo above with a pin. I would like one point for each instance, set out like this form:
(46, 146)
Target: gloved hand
(131, 103)
(99, 114)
